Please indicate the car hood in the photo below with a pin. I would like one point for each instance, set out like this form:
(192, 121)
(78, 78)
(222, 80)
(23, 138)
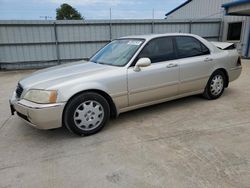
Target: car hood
(46, 78)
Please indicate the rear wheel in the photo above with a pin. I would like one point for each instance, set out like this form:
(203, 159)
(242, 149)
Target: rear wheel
(86, 114)
(215, 86)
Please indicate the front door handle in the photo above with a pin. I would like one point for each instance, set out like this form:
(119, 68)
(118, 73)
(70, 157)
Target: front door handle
(208, 59)
(171, 65)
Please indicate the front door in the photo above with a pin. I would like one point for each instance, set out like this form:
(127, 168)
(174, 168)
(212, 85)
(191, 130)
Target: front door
(159, 80)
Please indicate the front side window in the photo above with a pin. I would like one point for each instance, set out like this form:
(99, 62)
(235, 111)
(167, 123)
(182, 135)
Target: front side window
(158, 50)
(118, 52)
(190, 47)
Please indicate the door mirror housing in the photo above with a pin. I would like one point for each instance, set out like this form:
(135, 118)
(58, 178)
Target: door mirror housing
(142, 62)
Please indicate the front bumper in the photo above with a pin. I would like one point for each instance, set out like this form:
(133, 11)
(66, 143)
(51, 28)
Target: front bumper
(41, 116)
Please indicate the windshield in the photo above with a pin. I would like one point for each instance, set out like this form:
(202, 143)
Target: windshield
(118, 52)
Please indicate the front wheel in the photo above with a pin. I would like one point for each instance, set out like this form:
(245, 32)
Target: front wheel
(215, 86)
(86, 114)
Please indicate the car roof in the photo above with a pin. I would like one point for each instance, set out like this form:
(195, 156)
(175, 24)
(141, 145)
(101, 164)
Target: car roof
(152, 36)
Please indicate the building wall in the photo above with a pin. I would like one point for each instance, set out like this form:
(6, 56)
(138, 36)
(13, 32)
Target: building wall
(200, 9)
(242, 44)
(197, 9)
(25, 44)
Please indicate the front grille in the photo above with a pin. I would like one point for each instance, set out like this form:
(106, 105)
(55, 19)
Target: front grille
(19, 90)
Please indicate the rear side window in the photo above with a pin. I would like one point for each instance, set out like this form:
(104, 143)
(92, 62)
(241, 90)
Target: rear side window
(190, 47)
(159, 49)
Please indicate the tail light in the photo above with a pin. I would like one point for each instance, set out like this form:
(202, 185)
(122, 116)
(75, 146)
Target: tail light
(239, 62)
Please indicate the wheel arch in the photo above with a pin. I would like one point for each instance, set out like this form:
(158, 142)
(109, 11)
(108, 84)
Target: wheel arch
(113, 109)
(225, 73)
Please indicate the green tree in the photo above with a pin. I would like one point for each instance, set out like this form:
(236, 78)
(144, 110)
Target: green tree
(67, 12)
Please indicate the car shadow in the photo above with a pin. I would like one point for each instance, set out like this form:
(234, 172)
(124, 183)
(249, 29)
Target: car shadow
(154, 110)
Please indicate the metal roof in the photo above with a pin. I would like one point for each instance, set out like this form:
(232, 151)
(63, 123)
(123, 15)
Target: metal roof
(232, 8)
(175, 9)
(235, 3)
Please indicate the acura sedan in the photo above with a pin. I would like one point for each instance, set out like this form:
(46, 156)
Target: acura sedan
(126, 74)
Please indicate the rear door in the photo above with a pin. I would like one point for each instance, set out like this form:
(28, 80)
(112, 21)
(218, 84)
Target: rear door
(195, 62)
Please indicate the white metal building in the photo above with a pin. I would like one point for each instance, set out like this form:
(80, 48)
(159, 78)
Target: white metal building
(235, 16)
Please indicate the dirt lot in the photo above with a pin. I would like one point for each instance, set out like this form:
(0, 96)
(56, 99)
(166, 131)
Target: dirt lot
(189, 142)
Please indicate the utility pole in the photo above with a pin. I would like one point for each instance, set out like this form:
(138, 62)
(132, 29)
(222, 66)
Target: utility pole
(110, 24)
(110, 14)
(153, 22)
(46, 17)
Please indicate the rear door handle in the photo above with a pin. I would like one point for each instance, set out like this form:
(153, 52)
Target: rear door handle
(208, 59)
(171, 65)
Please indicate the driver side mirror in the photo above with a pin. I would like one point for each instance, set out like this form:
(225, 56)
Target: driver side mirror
(142, 62)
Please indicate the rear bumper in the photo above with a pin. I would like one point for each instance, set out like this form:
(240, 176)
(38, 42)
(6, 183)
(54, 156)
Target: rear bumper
(41, 116)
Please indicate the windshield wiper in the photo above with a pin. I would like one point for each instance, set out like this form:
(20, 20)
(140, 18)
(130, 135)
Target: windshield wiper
(102, 63)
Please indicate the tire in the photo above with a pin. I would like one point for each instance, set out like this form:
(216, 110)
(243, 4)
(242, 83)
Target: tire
(86, 114)
(215, 86)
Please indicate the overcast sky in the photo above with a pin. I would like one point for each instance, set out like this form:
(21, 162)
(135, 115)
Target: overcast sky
(90, 9)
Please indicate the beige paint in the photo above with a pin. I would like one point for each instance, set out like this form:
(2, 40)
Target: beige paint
(128, 88)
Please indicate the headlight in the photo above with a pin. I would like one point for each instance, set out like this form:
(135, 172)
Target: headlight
(41, 96)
